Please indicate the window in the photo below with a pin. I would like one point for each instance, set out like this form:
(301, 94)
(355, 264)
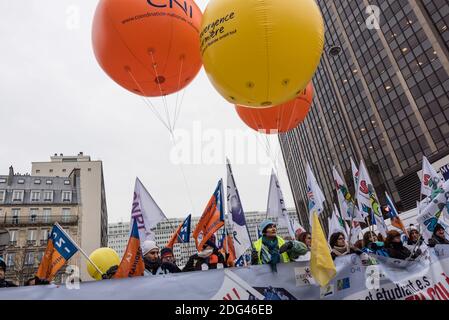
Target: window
(37, 181)
(44, 236)
(48, 196)
(15, 215)
(35, 196)
(12, 237)
(49, 182)
(33, 214)
(66, 182)
(66, 196)
(38, 171)
(21, 181)
(17, 195)
(31, 237)
(46, 215)
(2, 180)
(40, 255)
(65, 214)
(29, 259)
(64, 170)
(51, 170)
(10, 260)
(2, 196)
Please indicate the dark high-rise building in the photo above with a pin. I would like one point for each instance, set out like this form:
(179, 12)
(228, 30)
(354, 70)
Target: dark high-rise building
(381, 94)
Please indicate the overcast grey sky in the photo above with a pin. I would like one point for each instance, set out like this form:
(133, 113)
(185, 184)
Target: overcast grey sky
(54, 98)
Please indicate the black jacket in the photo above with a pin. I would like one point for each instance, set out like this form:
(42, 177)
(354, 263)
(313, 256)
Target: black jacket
(398, 251)
(168, 267)
(437, 240)
(195, 262)
(6, 284)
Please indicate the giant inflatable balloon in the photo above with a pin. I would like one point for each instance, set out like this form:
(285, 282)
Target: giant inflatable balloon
(261, 53)
(150, 47)
(104, 259)
(281, 118)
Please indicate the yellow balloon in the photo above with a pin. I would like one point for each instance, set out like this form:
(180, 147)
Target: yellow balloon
(104, 259)
(261, 53)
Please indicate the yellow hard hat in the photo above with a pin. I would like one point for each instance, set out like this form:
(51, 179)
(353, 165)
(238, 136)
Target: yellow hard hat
(104, 259)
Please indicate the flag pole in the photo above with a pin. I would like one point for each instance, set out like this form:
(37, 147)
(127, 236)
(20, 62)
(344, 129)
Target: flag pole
(78, 247)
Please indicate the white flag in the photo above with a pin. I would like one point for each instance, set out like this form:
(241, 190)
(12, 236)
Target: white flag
(335, 224)
(433, 213)
(276, 206)
(356, 230)
(368, 200)
(314, 194)
(240, 234)
(146, 212)
(430, 179)
(347, 206)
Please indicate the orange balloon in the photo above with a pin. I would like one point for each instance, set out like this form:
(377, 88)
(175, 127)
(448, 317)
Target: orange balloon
(281, 118)
(150, 47)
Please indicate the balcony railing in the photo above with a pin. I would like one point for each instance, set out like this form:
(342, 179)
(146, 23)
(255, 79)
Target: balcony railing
(37, 220)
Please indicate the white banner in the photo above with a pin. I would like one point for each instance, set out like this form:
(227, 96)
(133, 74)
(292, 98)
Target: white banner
(390, 279)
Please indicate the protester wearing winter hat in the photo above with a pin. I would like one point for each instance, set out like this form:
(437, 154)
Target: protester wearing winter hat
(339, 246)
(438, 236)
(267, 249)
(208, 258)
(396, 249)
(3, 282)
(151, 258)
(414, 239)
(168, 261)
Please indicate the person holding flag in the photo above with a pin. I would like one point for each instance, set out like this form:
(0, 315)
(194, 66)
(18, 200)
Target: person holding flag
(208, 258)
(272, 249)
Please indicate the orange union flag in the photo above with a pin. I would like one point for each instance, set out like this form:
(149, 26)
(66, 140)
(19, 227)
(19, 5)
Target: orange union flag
(60, 248)
(212, 218)
(132, 264)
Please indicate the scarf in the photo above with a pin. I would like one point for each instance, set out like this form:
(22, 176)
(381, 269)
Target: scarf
(270, 252)
(340, 251)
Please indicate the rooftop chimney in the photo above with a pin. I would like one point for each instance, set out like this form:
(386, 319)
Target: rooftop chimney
(10, 175)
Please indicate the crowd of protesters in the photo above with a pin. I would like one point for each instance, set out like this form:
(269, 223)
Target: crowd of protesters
(272, 249)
